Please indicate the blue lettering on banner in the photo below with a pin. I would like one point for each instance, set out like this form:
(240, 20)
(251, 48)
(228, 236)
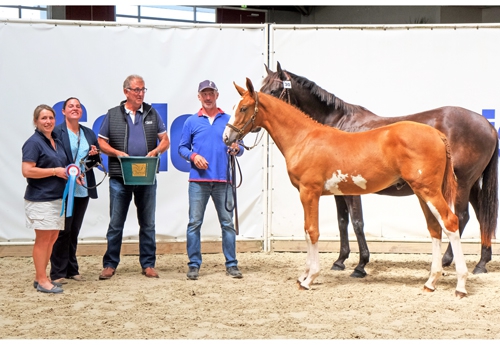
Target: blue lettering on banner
(162, 109)
(490, 115)
(175, 137)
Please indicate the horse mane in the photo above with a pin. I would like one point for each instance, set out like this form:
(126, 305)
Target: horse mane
(300, 111)
(324, 96)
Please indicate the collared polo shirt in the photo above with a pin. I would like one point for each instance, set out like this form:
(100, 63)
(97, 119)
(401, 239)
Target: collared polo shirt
(38, 149)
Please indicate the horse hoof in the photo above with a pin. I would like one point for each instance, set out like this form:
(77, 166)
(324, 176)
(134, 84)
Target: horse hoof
(460, 294)
(479, 270)
(338, 267)
(301, 287)
(358, 274)
(426, 289)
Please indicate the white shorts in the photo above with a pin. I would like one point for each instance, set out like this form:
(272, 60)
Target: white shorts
(44, 215)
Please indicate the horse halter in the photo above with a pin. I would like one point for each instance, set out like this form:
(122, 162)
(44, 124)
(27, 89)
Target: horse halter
(90, 163)
(250, 120)
(285, 93)
(287, 84)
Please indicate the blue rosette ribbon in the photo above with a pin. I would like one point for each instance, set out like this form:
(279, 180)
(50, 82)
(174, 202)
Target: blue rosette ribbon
(72, 171)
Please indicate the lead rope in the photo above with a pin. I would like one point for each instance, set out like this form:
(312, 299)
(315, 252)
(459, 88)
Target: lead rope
(231, 181)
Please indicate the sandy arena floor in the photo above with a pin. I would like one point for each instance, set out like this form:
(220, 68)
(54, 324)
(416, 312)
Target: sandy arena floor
(266, 304)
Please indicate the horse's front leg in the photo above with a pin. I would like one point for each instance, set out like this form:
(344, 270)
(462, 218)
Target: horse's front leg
(436, 266)
(356, 212)
(310, 203)
(305, 274)
(343, 223)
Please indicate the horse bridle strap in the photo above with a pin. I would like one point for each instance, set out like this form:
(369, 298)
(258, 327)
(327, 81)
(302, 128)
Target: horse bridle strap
(250, 120)
(285, 89)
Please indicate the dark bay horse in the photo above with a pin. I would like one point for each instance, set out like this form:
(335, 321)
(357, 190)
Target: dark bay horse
(355, 164)
(474, 150)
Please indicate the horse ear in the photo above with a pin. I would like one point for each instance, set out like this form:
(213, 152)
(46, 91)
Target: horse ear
(280, 71)
(239, 89)
(250, 86)
(268, 70)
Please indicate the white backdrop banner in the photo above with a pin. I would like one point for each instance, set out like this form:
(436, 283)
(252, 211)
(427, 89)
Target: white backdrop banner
(47, 62)
(390, 70)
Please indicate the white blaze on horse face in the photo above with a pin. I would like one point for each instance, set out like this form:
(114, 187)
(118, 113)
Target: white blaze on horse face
(231, 119)
(227, 131)
(359, 181)
(332, 184)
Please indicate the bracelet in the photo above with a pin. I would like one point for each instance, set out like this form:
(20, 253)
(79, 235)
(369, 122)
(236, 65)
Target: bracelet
(53, 171)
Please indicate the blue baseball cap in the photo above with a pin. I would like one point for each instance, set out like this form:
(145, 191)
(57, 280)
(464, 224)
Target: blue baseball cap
(207, 84)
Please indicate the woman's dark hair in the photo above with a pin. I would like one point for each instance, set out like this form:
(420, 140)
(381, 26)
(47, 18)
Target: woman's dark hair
(69, 99)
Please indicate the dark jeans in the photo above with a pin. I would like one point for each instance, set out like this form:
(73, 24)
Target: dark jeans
(120, 196)
(63, 263)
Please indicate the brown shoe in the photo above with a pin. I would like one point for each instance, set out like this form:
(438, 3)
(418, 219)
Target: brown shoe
(107, 273)
(150, 272)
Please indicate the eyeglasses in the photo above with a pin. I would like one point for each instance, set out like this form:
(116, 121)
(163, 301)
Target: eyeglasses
(138, 91)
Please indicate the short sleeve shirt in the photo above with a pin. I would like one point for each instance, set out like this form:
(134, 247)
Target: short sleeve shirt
(38, 149)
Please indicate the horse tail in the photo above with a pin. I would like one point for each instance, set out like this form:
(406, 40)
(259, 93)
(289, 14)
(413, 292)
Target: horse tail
(449, 186)
(488, 200)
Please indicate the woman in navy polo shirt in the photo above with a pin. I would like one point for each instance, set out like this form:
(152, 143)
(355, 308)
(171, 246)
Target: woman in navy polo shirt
(44, 163)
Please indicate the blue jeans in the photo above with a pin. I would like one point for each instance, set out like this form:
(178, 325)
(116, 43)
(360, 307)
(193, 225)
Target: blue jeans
(199, 193)
(120, 196)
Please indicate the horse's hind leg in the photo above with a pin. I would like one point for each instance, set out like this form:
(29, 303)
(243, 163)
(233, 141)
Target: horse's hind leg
(461, 266)
(485, 248)
(462, 212)
(449, 223)
(435, 230)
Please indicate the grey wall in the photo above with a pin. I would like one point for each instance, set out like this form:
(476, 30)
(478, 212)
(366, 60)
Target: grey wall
(372, 15)
(389, 15)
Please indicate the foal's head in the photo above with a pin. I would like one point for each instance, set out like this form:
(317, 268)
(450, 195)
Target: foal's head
(243, 120)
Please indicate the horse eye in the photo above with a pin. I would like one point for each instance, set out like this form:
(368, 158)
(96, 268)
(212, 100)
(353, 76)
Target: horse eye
(243, 109)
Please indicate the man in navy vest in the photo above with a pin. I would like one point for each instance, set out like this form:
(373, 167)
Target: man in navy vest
(133, 128)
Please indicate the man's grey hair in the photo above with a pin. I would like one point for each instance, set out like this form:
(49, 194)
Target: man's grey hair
(126, 83)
